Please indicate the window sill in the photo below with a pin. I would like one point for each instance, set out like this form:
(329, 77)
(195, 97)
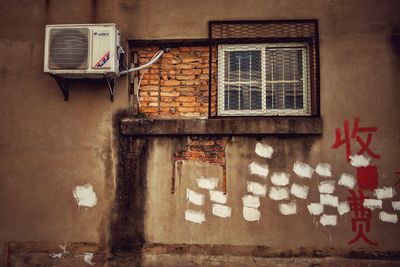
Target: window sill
(223, 126)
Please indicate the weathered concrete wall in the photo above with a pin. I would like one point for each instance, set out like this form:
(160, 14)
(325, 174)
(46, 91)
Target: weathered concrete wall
(49, 146)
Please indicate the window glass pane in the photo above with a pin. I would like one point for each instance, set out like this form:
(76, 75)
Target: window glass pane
(242, 80)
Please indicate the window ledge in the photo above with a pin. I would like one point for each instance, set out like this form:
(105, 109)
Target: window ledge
(223, 126)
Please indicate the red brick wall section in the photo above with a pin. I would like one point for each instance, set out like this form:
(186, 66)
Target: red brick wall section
(177, 86)
(203, 149)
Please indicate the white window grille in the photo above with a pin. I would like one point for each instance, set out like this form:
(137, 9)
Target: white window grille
(264, 79)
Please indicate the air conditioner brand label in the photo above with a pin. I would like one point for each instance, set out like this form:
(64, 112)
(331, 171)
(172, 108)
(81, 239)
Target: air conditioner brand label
(101, 53)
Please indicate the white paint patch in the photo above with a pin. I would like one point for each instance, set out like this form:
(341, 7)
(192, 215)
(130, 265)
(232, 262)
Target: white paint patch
(326, 187)
(372, 204)
(221, 211)
(85, 196)
(343, 207)
(218, 196)
(207, 183)
(251, 201)
(388, 217)
(324, 169)
(396, 205)
(195, 216)
(330, 220)
(278, 193)
(300, 191)
(315, 208)
(329, 200)
(384, 193)
(88, 257)
(251, 214)
(347, 180)
(264, 150)
(359, 161)
(280, 178)
(288, 208)
(256, 189)
(258, 169)
(194, 197)
(303, 169)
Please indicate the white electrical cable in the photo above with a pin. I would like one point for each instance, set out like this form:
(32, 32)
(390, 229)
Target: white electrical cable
(148, 64)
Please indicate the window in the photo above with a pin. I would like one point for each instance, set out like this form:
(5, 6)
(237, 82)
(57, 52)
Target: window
(266, 79)
(265, 68)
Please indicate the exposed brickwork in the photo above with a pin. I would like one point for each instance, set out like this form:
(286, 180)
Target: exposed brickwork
(178, 84)
(204, 149)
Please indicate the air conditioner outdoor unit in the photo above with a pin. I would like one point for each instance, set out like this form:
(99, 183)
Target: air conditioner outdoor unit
(82, 50)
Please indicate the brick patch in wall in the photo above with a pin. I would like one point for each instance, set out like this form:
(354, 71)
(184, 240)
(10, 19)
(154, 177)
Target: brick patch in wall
(202, 149)
(177, 85)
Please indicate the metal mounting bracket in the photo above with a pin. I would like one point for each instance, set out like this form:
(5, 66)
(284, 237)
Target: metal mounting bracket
(63, 84)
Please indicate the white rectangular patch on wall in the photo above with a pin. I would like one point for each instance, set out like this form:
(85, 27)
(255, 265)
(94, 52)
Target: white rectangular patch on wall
(315, 208)
(328, 220)
(195, 216)
(388, 217)
(303, 170)
(329, 200)
(218, 196)
(343, 207)
(372, 204)
(256, 189)
(278, 193)
(323, 169)
(264, 150)
(259, 169)
(251, 214)
(384, 192)
(396, 205)
(221, 211)
(194, 197)
(326, 187)
(347, 180)
(207, 183)
(300, 191)
(251, 201)
(288, 208)
(280, 178)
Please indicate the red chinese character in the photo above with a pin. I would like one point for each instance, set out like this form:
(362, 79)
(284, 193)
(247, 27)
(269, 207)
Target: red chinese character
(362, 216)
(367, 177)
(364, 144)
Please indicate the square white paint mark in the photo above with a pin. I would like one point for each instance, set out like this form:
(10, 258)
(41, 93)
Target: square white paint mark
(288, 208)
(251, 201)
(195, 216)
(388, 217)
(300, 191)
(343, 207)
(278, 193)
(359, 160)
(396, 205)
(327, 187)
(323, 169)
(194, 197)
(315, 208)
(384, 192)
(256, 189)
(328, 220)
(372, 204)
(280, 178)
(221, 211)
(207, 183)
(329, 200)
(347, 180)
(251, 214)
(218, 196)
(264, 150)
(85, 196)
(259, 169)
(303, 170)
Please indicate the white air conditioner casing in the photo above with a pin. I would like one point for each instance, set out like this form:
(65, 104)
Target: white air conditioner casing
(82, 50)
